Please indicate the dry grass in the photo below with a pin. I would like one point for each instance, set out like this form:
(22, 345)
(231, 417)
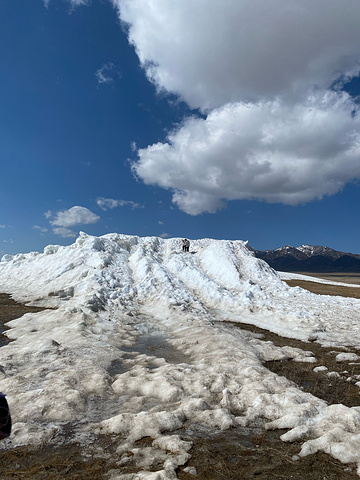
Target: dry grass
(232, 456)
(326, 289)
(52, 462)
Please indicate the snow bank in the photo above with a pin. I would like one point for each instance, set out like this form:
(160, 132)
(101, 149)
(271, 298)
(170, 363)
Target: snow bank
(87, 366)
(309, 278)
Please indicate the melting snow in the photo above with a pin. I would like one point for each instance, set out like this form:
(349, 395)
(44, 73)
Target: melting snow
(134, 344)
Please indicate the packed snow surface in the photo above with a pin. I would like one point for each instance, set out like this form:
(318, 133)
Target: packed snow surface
(136, 342)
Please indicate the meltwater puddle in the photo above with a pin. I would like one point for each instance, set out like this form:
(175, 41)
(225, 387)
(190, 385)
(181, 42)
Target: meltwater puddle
(151, 345)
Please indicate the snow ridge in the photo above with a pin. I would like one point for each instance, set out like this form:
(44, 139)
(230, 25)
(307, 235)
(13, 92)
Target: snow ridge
(81, 366)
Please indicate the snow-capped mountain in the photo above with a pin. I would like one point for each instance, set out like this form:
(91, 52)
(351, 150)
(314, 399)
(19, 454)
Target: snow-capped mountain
(310, 258)
(312, 250)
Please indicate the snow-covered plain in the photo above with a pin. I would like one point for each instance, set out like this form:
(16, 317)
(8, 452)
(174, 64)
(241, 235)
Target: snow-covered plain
(80, 369)
(309, 278)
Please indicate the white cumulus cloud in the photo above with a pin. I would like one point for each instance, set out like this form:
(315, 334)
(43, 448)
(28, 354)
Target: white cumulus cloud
(264, 74)
(74, 216)
(213, 52)
(267, 151)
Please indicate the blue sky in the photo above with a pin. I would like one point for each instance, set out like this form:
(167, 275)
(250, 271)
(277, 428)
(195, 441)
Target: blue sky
(180, 121)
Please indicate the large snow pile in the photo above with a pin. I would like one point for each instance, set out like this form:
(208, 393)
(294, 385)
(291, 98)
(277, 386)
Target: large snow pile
(80, 369)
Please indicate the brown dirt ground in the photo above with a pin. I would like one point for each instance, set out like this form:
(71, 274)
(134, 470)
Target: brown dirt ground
(9, 310)
(229, 455)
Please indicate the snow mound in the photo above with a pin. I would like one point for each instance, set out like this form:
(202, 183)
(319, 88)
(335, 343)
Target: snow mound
(135, 342)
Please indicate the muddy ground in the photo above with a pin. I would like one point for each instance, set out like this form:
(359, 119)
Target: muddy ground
(9, 310)
(236, 454)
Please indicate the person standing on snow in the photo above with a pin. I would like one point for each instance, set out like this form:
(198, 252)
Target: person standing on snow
(187, 245)
(184, 244)
(5, 418)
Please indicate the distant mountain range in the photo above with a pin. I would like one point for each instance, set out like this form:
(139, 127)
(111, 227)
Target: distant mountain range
(310, 258)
